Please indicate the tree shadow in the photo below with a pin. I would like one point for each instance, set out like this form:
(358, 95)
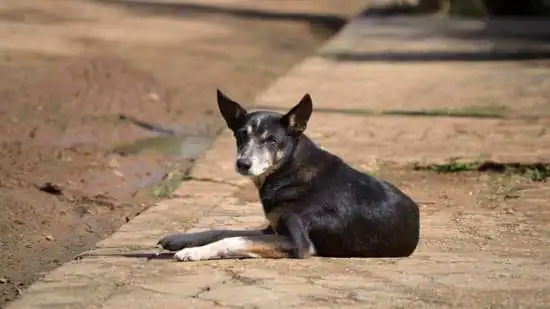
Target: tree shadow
(328, 22)
(440, 56)
(488, 39)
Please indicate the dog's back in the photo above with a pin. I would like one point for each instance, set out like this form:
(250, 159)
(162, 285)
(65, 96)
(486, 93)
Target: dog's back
(347, 212)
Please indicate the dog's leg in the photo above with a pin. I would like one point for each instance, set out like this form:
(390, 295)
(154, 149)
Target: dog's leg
(180, 241)
(262, 246)
(293, 241)
(292, 227)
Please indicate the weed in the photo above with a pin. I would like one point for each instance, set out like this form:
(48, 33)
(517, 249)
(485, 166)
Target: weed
(537, 172)
(482, 111)
(471, 112)
(455, 167)
(169, 184)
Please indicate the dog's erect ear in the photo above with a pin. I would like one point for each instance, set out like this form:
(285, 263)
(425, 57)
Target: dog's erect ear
(296, 119)
(231, 111)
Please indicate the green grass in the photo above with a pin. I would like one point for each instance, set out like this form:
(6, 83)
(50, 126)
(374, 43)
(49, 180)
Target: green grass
(537, 172)
(169, 184)
(455, 167)
(481, 111)
(442, 113)
(470, 8)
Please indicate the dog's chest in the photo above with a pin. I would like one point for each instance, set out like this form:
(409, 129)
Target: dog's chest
(277, 194)
(279, 198)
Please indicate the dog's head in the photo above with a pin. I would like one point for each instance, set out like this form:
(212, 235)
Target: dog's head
(264, 139)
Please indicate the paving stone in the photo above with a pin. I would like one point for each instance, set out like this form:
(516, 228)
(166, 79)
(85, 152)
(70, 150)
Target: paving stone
(480, 248)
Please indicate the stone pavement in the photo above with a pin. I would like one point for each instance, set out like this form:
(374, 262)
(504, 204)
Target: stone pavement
(470, 256)
(266, 8)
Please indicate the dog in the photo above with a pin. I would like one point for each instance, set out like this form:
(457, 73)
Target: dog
(315, 203)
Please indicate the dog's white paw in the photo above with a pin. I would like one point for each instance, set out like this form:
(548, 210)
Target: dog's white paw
(190, 254)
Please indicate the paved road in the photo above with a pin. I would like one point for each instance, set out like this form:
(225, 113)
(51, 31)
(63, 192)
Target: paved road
(482, 246)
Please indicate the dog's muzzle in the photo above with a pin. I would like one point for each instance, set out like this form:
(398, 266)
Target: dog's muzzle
(243, 166)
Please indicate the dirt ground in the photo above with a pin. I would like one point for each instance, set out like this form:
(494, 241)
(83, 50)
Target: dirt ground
(73, 75)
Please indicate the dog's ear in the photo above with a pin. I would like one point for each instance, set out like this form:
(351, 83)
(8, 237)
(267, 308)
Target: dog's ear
(232, 112)
(296, 119)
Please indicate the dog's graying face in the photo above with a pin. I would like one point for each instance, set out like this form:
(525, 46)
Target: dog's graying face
(264, 139)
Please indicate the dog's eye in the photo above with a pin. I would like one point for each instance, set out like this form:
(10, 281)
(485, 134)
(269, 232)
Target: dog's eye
(270, 139)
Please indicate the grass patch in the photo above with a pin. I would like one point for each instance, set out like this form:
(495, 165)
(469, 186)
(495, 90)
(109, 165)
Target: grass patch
(470, 8)
(169, 184)
(537, 172)
(454, 167)
(496, 109)
(482, 111)
(348, 111)
(443, 113)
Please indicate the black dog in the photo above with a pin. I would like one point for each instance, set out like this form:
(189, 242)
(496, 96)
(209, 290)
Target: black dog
(315, 203)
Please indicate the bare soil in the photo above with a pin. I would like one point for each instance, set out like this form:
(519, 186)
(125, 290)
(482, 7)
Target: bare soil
(71, 75)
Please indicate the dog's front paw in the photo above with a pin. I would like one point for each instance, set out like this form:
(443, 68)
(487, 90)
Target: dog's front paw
(176, 242)
(190, 254)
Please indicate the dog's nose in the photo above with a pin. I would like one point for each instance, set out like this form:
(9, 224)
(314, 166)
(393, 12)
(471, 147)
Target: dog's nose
(244, 164)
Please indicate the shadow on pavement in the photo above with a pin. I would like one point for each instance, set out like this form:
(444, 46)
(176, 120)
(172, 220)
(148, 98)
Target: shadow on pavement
(149, 255)
(447, 39)
(441, 56)
(135, 255)
(329, 22)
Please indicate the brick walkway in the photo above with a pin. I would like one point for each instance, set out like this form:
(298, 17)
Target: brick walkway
(470, 256)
